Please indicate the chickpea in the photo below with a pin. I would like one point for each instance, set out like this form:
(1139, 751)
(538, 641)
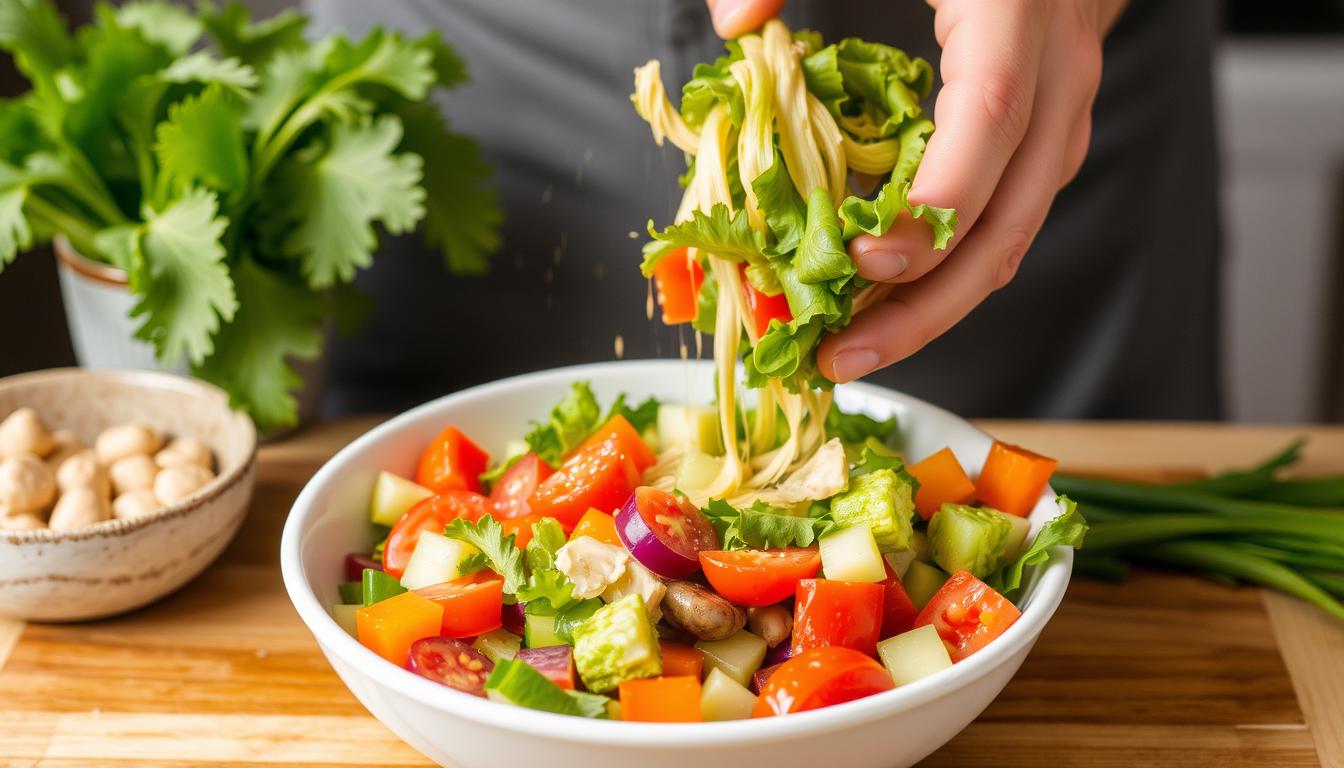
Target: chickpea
(65, 445)
(26, 484)
(82, 469)
(772, 623)
(129, 506)
(132, 473)
(125, 440)
(185, 450)
(21, 523)
(79, 507)
(179, 481)
(23, 432)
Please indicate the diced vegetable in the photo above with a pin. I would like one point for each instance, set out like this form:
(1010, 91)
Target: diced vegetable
(967, 614)
(756, 577)
(921, 581)
(600, 476)
(738, 657)
(678, 277)
(883, 501)
(723, 698)
(596, 705)
(471, 606)
(941, 481)
(451, 663)
(556, 662)
(345, 615)
(665, 532)
(438, 559)
(898, 610)
(351, 592)
(850, 554)
(1017, 538)
(913, 655)
(356, 562)
(1013, 479)
(919, 550)
(511, 492)
(618, 428)
(821, 677)
(760, 308)
(539, 627)
(392, 496)
(572, 615)
(661, 700)
(616, 644)
(378, 586)
(974, 539)
(498, 644)
(681, 659)
(763, 674)
(696, 471)
(515, 682)
(837, 613)
(599, 525)
(694, 428)
(452, 462)
(389, 627)
(432, 514)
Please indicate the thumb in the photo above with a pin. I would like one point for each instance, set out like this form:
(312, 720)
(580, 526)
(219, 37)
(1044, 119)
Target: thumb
(733, 18)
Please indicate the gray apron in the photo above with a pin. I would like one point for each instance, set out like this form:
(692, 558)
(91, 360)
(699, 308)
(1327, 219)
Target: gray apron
(1113, 313)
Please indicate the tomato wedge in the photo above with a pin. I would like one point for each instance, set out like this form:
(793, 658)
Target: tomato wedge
(898, 610)
(678, 277)
(471, 606)
(451, 663)
(620, 429)
(600, 476)
(674, 521)
(517, 483)
(941, 481)
(837, 613)
(763, 308)
(432, 514)
(1013, 478)
(820, 677)
(759, 576)
(968, 614)
(451, 462)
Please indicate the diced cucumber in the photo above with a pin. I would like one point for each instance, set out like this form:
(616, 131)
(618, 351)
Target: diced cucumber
(518, 683)
(850, 554)
(352, 592)
(695, 471)
(921, 581)
(723, 698)
(498, 644)
(965, 538)
(345, 616)
(1017, 539)
(539, 628)
(392, 496)
(739, 656)
(437, 559)
(616, 644)
(378, 586)
(691, 427)
(912, 655)
(883, 501)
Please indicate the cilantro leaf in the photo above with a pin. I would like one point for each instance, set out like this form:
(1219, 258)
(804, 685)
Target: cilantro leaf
(547, 539)
(549, 585)
(1068, 529)
(236, 36)
(571, 421)
(171, 26)
(34, 33)
(201, 67)
(762, 526)
(201, 143)
(500, 554)
(16, 234)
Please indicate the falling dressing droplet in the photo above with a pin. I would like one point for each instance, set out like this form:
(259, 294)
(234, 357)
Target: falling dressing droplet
(685, 353)
(619, 346)
(648, 303)
(699, 345)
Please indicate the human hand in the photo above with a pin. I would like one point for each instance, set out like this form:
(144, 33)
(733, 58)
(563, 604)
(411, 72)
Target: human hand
(734, 18)
(1014, 120)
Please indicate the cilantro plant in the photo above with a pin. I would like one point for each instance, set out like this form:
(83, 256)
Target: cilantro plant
(237, 172)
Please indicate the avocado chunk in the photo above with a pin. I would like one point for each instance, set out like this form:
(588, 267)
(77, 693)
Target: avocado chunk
(965, 538)
(616, 644)
(883, 501)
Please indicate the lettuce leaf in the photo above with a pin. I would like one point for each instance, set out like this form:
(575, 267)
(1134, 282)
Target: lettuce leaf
(822, 256)
(854, 428)
(1067, 530)
(720, 233)
(762, 526)
(571, 421)
(641, 417)
(875, 216)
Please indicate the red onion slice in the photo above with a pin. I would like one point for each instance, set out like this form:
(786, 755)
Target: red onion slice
(513, 617)
(669, 551)
(356, 562)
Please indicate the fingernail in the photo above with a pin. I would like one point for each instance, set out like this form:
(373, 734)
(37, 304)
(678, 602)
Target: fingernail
(850, 364)
(884, 265)
(723, 12)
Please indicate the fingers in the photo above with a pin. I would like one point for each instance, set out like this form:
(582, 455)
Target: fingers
(734, 18)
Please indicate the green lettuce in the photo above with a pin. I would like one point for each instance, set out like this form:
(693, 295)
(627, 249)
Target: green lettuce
(571, 421)
(762, 526)
(1067, 530)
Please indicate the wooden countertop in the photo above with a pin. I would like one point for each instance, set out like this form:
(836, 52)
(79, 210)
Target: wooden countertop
(1163, 670)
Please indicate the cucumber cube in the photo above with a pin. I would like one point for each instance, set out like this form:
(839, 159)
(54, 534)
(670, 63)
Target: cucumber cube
(850, 554)
(498, 644)
(437, 559)
(723, 698)
(883, 501)
(964, 538)
(921, 582)
(738, 656)
(345, 616)
(539, 629)
(616, 644)
(392, 496)
(695, 471)
(691, 427)
(913, 655)
(1017, 538)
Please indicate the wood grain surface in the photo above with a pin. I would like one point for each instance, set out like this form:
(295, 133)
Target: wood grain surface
(1164, 670)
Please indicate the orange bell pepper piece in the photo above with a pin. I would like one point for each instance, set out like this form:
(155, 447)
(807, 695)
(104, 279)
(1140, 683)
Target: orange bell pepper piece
(1013, 478)
(661, 700)
(599, 525)
(682, 660)
(941, 481)
(388, 628)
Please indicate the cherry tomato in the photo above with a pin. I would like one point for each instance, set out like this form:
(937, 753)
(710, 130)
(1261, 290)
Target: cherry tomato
(1013, 478)
(471, 606)
(451, 462)
(432, 514)
(763, 308)
(451, 663)
(837, 613)
(759, 576)
(820, 677)
(600, 476)
(517, 483)
(898, 610)
(679, 278)
(676, 522)
(968, 614)
(620, 429)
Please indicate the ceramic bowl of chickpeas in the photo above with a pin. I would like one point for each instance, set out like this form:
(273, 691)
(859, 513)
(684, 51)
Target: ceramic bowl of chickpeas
(116, 488)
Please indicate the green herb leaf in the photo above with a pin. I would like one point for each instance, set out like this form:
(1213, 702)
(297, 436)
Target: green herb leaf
(500, 554)
(549, 585)
(201, 143)
(762, 526)
(547, 539)
(15, 232)
(1067, 530)
(235, 34)
(855, 428)
(571, 421)
(641, 417)
(34, 33)
(171, 26)
(720, 233)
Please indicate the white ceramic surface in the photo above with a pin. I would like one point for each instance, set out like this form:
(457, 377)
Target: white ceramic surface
(119, 565)
(896, 728)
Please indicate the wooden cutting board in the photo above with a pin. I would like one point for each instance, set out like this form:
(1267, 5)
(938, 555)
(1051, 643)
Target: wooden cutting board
(1164, 670)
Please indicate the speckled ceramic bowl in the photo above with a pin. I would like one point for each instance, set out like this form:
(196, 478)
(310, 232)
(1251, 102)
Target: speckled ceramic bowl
(119, 565)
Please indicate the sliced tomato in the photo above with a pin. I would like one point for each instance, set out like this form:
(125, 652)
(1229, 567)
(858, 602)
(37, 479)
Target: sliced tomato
(1013, 478)
(451, 462)
(941, 481)
(676, 523)
(847, 614)
(600, 476)
(471, 606)
(818, 678)
(763, 308)
(678, 277)
(451, 663)
(517, 483)
(968, 614)
(623, 432)
(759, 576)
(898, 610)
(431, 514)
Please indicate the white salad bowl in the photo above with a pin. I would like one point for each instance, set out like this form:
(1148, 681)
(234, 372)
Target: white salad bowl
(895, 728)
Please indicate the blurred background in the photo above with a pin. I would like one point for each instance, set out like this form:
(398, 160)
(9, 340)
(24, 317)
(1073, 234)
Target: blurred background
(1279, 74)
